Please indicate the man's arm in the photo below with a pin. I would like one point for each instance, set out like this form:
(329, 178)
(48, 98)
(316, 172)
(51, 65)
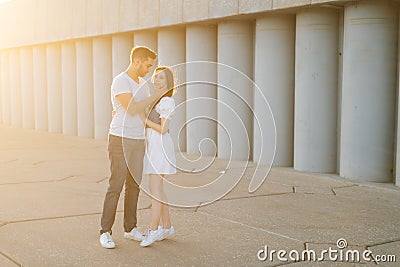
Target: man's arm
(133, 107)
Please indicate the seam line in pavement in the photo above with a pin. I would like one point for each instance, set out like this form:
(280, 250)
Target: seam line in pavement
(344, 186)
(338, 187)
(10, 259)
(102, 180)
(383, 243)
(64, 217)
(44, 181)
(244, 197)
(38, 162)
(252, 227)
(52, 218)
(8, 161)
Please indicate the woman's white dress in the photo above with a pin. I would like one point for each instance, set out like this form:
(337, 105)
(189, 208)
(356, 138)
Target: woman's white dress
(160, 156)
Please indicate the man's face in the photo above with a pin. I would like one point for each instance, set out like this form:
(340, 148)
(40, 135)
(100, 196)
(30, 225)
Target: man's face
(145, 66)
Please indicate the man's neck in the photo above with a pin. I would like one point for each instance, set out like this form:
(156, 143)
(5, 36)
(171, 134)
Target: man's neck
(133, 74)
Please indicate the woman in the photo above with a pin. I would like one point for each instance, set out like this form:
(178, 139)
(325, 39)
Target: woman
(159, 158)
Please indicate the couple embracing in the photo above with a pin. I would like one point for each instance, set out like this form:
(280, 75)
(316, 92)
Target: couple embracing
(139, 143)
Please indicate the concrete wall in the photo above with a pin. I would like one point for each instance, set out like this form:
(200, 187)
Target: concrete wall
(27, 22)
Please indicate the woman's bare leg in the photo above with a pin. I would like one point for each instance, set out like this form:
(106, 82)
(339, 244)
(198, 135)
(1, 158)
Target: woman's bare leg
(156, 189)
(166, 222)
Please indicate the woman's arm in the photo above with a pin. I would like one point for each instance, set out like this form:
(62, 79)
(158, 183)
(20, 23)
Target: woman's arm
(161, 128)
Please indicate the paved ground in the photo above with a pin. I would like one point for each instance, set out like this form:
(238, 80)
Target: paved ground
(52, 188)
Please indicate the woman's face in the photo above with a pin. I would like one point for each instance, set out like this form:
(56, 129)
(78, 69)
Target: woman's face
(160, 80)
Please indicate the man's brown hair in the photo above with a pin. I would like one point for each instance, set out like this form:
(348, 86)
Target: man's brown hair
(143, 53)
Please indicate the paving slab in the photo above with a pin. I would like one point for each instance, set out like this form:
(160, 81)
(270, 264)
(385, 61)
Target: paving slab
(306, 182)
(211, 187)
(15, 173)
(268, 188)
(364, 192)
(389, 253)
(6, 262)
(199, 164)
(44, 200)
(30, 156)
(303, 182)
(188, 193)
(200, 240)
(51, 200)
(26, 138)
(88, 169)
(314, 218)
(240, 190)
(297, 178)
(324, 264)
(52, 189)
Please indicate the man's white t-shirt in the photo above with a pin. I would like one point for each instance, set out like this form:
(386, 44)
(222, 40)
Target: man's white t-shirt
(123, 124)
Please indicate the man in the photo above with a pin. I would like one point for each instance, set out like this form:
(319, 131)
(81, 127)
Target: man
(126, 143)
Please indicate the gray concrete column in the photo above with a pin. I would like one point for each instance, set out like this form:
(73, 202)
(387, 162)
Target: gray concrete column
(340, 87)
(235, 91)
(274, 76)
(102, 77)
(28, 112)
(171, 51)
(2, 67)
(315, 126)
(5, 88)
(368, 97)
(121, 50)
(69, 93)
(54, 94)
(1, 93)
(84, 84)
(397, 141)
(15, 87)
(40, 87)
(201, 45)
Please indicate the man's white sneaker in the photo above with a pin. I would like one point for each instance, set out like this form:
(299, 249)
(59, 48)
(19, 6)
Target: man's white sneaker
(151, 237)
(134, 234)
(106, 240)
(166, 232)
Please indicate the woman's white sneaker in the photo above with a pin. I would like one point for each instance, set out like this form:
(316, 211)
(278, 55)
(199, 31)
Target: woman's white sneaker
(166, 232)
(106, 240)
(134, 234)
(151, 237)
